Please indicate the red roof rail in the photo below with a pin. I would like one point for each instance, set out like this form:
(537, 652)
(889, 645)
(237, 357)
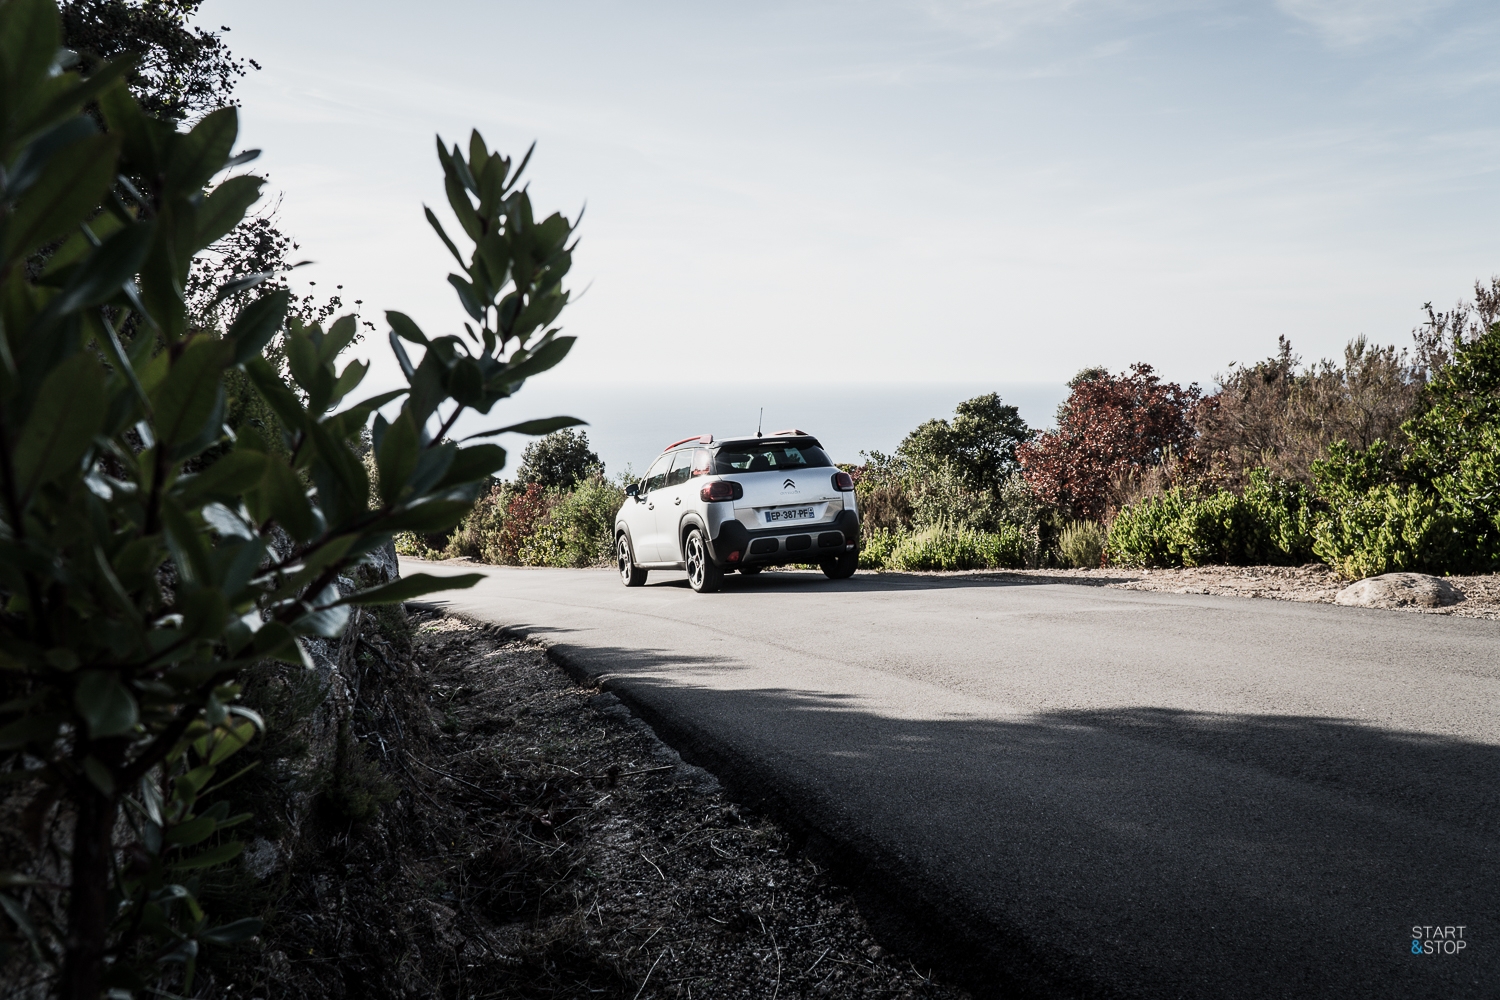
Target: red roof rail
(705, 438)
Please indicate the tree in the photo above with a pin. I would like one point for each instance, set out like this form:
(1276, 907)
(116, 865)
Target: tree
(137, 579)
(980, 444)
(558, 460)
(180, 72)
(1271, 415)
(1109, 427)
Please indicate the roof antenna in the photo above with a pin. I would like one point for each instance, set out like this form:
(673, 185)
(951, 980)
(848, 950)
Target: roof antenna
(760, 420)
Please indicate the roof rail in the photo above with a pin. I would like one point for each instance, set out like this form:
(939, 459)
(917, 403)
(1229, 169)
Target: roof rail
(705, 438)
(787, 433)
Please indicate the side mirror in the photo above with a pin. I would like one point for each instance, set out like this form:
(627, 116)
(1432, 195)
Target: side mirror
(633, 491)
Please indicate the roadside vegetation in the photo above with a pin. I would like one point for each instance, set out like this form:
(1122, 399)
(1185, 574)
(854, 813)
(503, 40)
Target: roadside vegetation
(1384, 460)
(196, 514)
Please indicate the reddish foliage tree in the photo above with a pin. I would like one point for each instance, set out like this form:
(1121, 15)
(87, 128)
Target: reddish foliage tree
(1111, 426)
(522, 515)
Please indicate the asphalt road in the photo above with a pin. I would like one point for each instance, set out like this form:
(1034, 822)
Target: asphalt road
(1107, 793)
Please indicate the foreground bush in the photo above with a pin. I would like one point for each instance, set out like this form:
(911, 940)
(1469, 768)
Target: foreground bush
(1270, 523)
(147, 556)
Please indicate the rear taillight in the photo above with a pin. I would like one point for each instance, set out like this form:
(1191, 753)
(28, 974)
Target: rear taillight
(842, 482)
(723, 489)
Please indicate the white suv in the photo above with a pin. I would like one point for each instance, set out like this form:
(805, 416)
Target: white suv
(711, 507)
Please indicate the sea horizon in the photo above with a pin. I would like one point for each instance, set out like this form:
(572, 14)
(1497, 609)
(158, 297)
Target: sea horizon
(629, 426)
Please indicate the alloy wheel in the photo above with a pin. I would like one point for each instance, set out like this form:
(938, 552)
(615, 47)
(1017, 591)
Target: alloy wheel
(696, 558)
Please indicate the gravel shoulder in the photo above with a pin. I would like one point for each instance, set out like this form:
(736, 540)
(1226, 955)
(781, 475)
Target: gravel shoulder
(1311, 584)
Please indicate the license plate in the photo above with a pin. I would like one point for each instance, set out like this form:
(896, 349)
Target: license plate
(791, 514)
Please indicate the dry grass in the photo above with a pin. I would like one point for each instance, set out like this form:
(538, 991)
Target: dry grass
(545, 844)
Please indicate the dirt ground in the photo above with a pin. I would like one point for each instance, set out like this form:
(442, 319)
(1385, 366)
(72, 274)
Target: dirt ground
(543, 843)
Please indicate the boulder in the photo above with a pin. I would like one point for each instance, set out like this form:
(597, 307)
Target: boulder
(1400, 590)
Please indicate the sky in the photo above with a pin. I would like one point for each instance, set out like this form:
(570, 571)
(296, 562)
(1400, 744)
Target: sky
(918, 194)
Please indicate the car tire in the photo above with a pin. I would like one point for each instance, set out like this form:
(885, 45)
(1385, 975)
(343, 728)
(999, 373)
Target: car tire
(630, 574)
(840, 567)
(704, 575)
(750, 570)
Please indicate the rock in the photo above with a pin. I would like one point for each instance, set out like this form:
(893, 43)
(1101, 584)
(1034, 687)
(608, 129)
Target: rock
(1400, 590)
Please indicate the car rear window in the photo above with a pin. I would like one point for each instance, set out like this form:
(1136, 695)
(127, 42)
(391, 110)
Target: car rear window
(770, 458)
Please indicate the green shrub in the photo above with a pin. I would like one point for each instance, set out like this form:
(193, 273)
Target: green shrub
(1388, 528)
(1081, 544)
(943, 547)
(1143, 533)
(1438, 510)
(147, 557)
(478, 535)
(578, 527)
(1270, 523)
(876, 546)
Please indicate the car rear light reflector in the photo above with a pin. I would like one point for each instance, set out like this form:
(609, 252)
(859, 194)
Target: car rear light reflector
(734, 557)
(723, 489)
(843, 482)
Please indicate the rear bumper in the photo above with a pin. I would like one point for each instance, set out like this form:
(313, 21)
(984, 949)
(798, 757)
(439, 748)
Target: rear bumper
(779, 546)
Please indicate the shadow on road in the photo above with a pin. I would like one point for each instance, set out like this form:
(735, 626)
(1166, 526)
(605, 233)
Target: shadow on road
(780, 582)
(1140, 852)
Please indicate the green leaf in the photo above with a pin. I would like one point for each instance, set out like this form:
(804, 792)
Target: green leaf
(544, 357)
(232, 933)
(69, 411)
(348, 380)
(193, 831)
(412, 586)
(467, 296)
(105, 703)
(222, 210)
(103, 275)
(78, 246)
(473, 464)
(28, 729)
(257, 323)
(17, 914)
(185, 398)
(432, 515)
(406, 329)
(397, 457)
(200, 154)
(284, 500)
(74, 94)
(68, 192)
(213, 856)
(443, 235)
(339, 336)
(545, 425)
(29, 35)
(231, 740)
(282, 400)
(226, 479)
